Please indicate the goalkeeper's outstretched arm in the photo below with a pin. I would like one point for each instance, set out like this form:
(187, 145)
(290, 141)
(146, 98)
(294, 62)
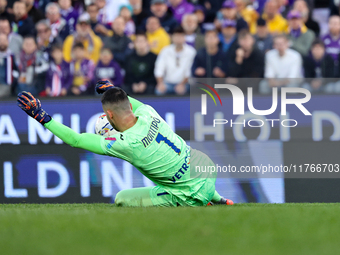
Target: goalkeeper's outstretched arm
(86, 141)
(91, 142)
(32, 106)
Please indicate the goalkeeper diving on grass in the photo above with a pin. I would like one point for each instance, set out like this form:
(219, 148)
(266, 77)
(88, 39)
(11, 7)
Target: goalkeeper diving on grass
(148, 143)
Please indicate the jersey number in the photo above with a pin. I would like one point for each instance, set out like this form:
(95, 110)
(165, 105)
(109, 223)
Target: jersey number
(161, 138)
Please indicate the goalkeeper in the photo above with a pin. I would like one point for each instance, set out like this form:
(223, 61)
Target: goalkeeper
(147, 142)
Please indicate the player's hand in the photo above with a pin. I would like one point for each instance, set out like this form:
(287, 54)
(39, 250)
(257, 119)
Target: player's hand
(103, 85)
(32, 106)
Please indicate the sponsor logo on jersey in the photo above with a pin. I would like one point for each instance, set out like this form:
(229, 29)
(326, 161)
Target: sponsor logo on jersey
(152, 132)
(184, 168)
(112, 139)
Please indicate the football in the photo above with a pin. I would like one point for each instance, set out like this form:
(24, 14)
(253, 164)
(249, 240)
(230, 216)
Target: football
(103, 127)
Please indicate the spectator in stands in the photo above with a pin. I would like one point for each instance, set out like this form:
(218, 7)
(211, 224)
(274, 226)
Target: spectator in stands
(302, 7)
(93, 11)
(139, 14)
(139, 78)
(59, 77)
(228, 36)
(318, 65)
(282, 62)
(300, 36)
(264, 40)
(79, 6)
(248, 60)
(173, 66)
(159, 9)
(282, 65)
(85, 35)
(208, 62)
(334, 8)
(158, 38)
(212, 7)
(179, 8)
(23, 25)
(15, 40)
(119, 44)
(275, 22)
(126, 13)
(82, 70)
(4, 14)
(332, 39)
(58, 25)
(259, 5)
(284, 6)
(34, 13)
(41, 5)
(97, 27)
(8, 68)
(33, 67)
(45, 40)
(102, 18)
(248, 13)
(229, 12)
(69, 14)
(112, 9)
(200, 14)
(193, 36)
(108, 69)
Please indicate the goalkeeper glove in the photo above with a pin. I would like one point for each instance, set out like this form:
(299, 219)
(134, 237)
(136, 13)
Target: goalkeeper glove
(103, 85)
(32, 106)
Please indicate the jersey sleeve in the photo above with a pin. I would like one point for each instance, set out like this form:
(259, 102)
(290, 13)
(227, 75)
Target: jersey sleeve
(117, 146)
(114, 146)
(86, 141)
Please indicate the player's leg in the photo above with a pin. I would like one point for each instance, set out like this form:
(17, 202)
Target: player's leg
(144, 197)
(208, 191)
(218, 199)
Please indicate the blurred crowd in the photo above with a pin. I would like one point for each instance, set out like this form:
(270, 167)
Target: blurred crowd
(59, 48)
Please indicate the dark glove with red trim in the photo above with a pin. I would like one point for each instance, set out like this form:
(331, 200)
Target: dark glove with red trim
(103, 85)
(32, 106)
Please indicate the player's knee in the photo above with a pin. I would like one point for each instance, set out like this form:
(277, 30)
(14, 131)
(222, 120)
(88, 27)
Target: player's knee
(120, 200)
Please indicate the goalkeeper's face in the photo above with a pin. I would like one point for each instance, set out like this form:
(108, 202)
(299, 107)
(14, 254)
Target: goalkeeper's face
(109, 116)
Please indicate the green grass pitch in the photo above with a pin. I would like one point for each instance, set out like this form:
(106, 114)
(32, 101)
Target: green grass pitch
(106, 229)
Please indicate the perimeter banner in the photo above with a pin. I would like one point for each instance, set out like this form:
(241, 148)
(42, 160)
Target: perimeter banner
(36, 167)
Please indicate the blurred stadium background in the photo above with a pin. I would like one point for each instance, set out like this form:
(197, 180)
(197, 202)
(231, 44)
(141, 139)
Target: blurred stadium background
(57, 50)
(153, 49)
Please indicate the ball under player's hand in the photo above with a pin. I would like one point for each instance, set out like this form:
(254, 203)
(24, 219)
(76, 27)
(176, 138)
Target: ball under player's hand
(103, 85)
(32, 106)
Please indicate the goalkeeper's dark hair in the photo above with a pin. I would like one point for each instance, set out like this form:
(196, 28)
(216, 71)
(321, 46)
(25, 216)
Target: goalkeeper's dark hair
(117, 97)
